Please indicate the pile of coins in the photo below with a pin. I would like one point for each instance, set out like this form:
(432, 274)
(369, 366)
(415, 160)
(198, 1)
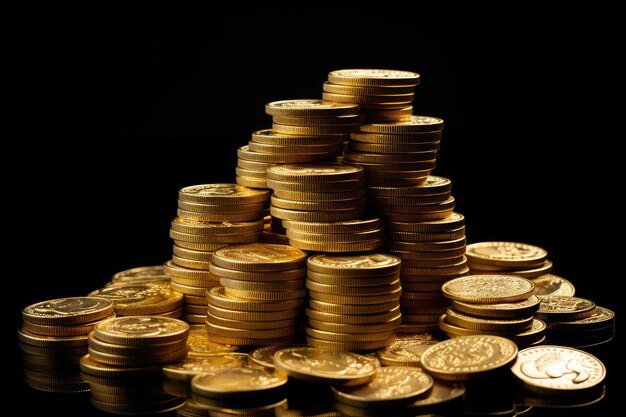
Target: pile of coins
(261, 297)
(508, 258)
(303, 131)
(501, 305)
(384, 95)
(353, 301)
(221, 214)
(148, 298)
(53, 338)
(576, 322)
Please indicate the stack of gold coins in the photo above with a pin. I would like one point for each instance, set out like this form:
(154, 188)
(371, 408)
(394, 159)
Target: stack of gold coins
(261, 297)
(53, 338)
(511, 258)
(576, 322)
(127, 390)
(397, 154)
(501, 305)
(140, 275)
(149, 298)
(353, 301)
(551, 284)
(308, 130)
(384, 95)
(230, 214)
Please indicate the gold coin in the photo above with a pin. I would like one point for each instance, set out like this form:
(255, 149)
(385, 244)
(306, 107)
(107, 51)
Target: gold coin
(335, 308)
(390, 158)
(320, 196)
(380, 148)
(336, 186)
(290, 274)
(140, 299)
(195, 300)
(251, 341)
(190, 263)
(365, 246)
(505, 325)
(551, 284)
(349, 119)
(353, 290)
(426, 237)
(195, 309)
(272, 138)
(259, 257)
(350, 337)
(221, 208)
(346, 226)
(195, 274)
(506, 254)
(377, 234)
(397, 139)
(198, 343)
(309, 108)
(194, 238)
(347, 346)
(389, 164)
(415, 124)
(244, 152)
(125, 350)
(146, 358)
(191, 366)
(193, 287)
(294, 284)
(600, 319)
(98, 369)
(415, 217)
(360, 299)
(61, 331)
(401, 178)
(564, 308)
(254, 315)
(432, 263)
(357, 319)
(154, 272)
(557, 370)
(443, 270)
(390, 99)
(313, 149)
(352, 281)
(214, 329)
(427, 255)
(355, 328)
(417, 200)
(230, 194)
(446, 245)
(221, 217)
(193, 318)
(283, 323)
(317, 216)
(488, 289)
(317, 206)
(42, 341)
(272, 237)
(468, 357)
(453, 222)
(260, 167)
(314, 173)
(141, 330)
(217, 297)
(68, 311)
(201, 247)
(367, 90)
(421, 286)
(316, 365)
(314, 130)
(203, 228)
(265, 295)
(373, 77)
(252, 182)
(405, 350)
(499, 310)
(237, 382)
(246, 173)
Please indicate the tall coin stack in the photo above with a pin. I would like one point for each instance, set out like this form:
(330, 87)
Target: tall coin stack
(353, 301)
(511, 258)
(384, 95)
(262, 294)
(53, 338)
(307, 130)
(210, 216)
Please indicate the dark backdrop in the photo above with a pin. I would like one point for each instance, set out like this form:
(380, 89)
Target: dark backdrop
(118, 110)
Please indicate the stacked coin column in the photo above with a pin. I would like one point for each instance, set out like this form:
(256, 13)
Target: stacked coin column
(307, 130)
(210, 216)
(262, 294)
(353, 301)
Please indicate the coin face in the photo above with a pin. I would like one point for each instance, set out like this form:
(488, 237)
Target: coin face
(551, 284)
(468, 357)
(550, 369)
(406, 350)
(264, 356)
(562, 308)
(136, 299)
(309, 107)
(315, 172)
(223, 194)
(70, 310)
(144, 272)
(194, 365)
(499, 310)
(324, 365)
(237, 381)
(138, 329)
(505, 254)
(373, 77)
(488, 289)
(391, 385)
(369, 264)
(259, 256)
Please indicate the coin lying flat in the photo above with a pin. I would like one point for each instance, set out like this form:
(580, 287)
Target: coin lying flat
(468, 357)
(325, 365)
(488, 289)
(508, 254)
(264, 356)
(551, 284)
(309, 108)
(562, 308)
(140, 299)
(259, 257)
(558, 369)
(142, 273)
(500, 310)
(191, 366)
(237, 382)
(601, 318)
(198, 343)
(141, 330)
(406, 350)
(375, 264)
(222, 194)
(68, 311)
(373, 77)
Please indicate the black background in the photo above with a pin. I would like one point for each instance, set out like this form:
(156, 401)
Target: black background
(115, 111)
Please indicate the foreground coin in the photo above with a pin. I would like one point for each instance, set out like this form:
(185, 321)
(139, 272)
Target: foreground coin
(468, 357)
(488, 289)
(237, 382)
(259, 257)
(141, 330)
(562, 308)
(506, 254)
(68, 311)
(551, 284)
(558, 369)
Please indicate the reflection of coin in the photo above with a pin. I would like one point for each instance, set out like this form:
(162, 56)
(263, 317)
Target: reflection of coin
(141, 330)
(237, 381)
(391, 385)
(562, 308)
(551, 284)
(506, 254)
(259, 257)
(555, 369)
(468, 357)
(70, 310)
(190, 366)
(500, 310)
(488, 289)
(406, 350)
(324, 365)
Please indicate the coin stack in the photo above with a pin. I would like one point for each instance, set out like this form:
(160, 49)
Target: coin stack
(384, 95)
(500, 305)
(303, 131)
(148, 298)
(353, 301)
(510, 258)
(53, 338)
(576, 322)
(140, 275)
(397, 154)
(261, 297)
(210, 216)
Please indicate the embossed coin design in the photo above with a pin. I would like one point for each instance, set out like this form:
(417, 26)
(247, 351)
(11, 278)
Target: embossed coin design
(505, 254)
(562, 308)
(488, 289)
(67, 311)
(551, 284)
(141, 330)
(259, 257)
(406, 350)
(234, 382)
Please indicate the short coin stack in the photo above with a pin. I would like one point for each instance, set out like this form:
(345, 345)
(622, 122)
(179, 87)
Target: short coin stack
(211, 216)
(53, 338)
(261, 297)
(576, 322)
(148, 298)
(353, 301)
(307, 130)
(511, 258)
(384, 95)
(501, 305)
(397, 154)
